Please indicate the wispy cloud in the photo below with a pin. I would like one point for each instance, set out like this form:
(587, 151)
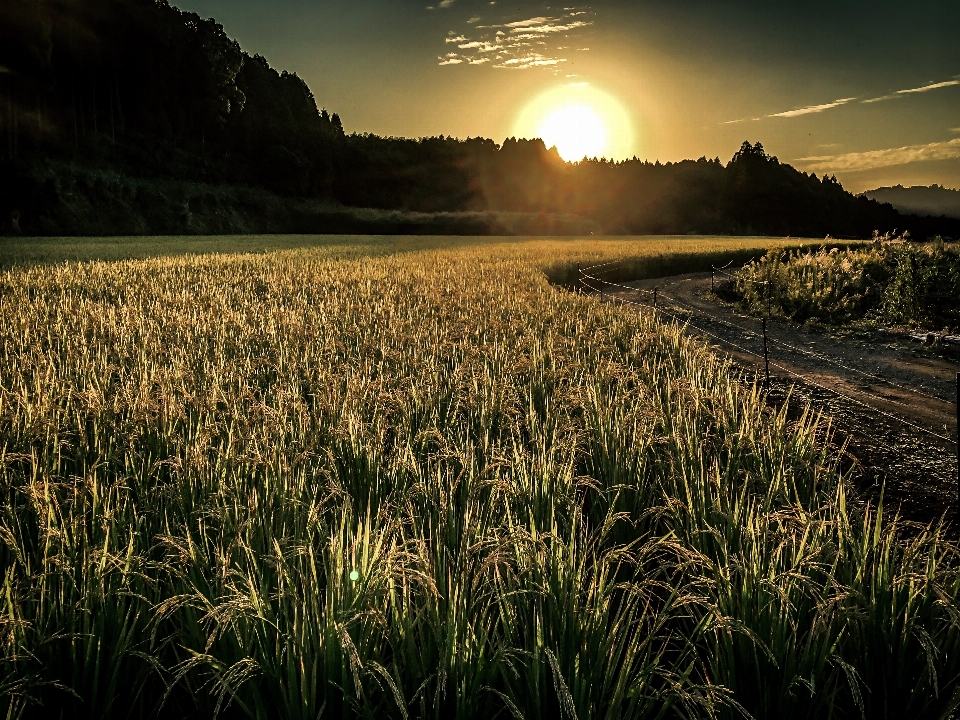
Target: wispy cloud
(808, 110)
(519, 24)
(530, 61)
(922, 89)
(480, 47)
(812, 108)
(513, 40)
(873, 159)
(934, 86)
(537, 31)
(844, 101)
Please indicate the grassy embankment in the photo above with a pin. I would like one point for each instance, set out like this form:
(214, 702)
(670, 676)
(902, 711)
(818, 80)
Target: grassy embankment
(355, 481)
(886, 283)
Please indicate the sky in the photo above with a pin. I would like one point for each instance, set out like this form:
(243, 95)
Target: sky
(868, 91)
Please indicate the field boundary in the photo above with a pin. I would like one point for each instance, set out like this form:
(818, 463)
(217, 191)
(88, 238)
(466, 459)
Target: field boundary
(588, 279)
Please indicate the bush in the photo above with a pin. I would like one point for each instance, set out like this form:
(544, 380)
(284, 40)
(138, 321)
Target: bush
(889, 282)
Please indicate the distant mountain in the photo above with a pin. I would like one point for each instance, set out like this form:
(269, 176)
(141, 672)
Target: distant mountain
(920, 200)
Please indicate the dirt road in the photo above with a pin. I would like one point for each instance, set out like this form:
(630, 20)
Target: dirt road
(892, 400)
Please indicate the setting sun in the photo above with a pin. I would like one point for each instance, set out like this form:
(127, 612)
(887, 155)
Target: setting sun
(576, 131)
(580, 121)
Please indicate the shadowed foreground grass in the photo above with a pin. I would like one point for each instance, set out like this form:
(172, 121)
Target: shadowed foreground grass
(318, 483)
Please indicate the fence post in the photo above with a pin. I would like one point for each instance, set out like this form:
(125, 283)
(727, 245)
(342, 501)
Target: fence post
(958, 441)
(655, 297)
(766, 357)
(579, 278)
(712, 273)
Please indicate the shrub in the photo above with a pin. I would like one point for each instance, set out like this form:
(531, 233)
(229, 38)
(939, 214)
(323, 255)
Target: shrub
(887, 282)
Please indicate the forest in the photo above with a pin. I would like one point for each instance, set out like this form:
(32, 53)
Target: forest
(132, 116)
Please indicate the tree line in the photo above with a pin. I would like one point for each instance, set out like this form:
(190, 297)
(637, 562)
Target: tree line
(141, 89)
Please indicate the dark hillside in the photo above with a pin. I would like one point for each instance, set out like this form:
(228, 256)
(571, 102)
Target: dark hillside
(933, 200)
(140, 87)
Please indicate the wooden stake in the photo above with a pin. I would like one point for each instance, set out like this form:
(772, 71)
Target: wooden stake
(766, 357)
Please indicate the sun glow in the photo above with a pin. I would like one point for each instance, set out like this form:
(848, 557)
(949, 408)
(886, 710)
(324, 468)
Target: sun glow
(576, 131)
(580, 121)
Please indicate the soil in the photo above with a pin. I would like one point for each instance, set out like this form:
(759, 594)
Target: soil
(892, 400)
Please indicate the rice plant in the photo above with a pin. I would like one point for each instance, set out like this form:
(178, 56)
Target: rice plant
(428, 484)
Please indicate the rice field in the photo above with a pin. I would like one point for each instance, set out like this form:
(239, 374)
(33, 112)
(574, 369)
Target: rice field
(380, 480)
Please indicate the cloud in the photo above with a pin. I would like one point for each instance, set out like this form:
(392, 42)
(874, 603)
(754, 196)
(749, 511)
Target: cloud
(542, 25)
(843, 101)
(921, 89)
(537, 30)
(450, 61)
(512, 41)
(954, 130)
(813, 108)
(925, 88)
(446, 3)
(873, 159)
(530, 61)
(526, 23)
(480, 47)
(810, 109)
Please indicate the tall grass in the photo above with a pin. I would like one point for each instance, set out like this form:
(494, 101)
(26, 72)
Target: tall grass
(427, 484)
(889, 282)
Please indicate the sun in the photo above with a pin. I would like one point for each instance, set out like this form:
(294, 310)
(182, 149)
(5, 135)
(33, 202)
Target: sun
(580, 121)
(576, 131)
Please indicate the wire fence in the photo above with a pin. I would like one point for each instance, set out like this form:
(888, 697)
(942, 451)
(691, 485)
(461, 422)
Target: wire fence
(588, 279)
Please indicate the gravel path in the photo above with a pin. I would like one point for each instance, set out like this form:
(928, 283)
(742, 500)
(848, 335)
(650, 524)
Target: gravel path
(889, 398)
